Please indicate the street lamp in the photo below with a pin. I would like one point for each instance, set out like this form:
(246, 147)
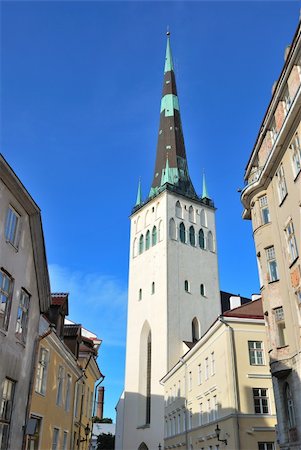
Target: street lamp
(218, 432)
(87, 432)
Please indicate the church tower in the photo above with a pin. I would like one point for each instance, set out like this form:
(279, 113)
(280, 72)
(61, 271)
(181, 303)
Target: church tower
(173, 293)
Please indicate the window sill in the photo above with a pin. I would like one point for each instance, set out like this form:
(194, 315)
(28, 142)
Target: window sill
(3, 332)
(18, 341)
(297, 176)
(12, 245)
(142, 427)
(273, 281)
(282, 346)
(293, 262)
(282, 201)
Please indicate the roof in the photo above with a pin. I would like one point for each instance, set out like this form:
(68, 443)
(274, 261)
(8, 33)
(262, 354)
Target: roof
(72, 330)
(249, 310)
(225, 300)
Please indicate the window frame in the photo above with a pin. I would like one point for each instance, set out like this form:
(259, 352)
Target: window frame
(295, 148)
(281, 184)
(261, 400)
(272, 263)
(6, 407)
(256, 354)
(8, 294)
(291, 242)
(12, 228)
(42, 372)
(264, 209)
(23, 316)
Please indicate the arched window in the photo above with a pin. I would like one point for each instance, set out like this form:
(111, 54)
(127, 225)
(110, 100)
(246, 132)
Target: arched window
(153, 287)
(143, 446)
(148, 379)
(178, 210)
(290, 407)
(154, 236)
(140, 295)
(192, 236)
(203, 218)
(160, 231)
(186, 286)
(195, 327)
(147, 240)
(147, 218)
(191, 214)
(201, 238)
(172, 229)
(202, 290)
(210, 241)
(141, 244)
(145, 372)
(182, 233)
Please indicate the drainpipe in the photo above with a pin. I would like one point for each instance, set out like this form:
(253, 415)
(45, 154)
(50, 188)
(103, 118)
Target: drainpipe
(186, 402)
(234, 377)
(94, 402)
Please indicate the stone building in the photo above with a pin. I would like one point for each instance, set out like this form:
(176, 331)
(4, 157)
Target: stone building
(174, 292)
(223, 383)
(272, 200)
(24, 295)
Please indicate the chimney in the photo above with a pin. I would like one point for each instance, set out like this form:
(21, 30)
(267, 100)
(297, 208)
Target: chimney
(235, 301)
(100, 401)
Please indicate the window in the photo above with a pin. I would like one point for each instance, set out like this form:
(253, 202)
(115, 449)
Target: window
(6, 404)
(201, 239)
(286, 99)
(141, 244)
(195, 330)
(290, 408)
(11, 226)
(68, 393)
(182, 233)
(215, 408)
(212, 363)
(291, 241)
(264, 209)
(192, 236)
(202, 290)
(154, 236)
(172, 229)
(203, 218)
(179, 388)
(190, 419)
(280, 324)
(296, 155)
(153, 288)
(208, 410)
(273, 131)
(281, 184)
(200, 374)
(178, 210)
(179, 423)
(55, 438)
(59, 395)
(191, 214)
(33, 439)
(65, 438)
(266, 446)
(41, 375)
(201, 414)
(206, 368)
(256, 353)
(186, 286)
(6, 285)
(140, 294)
(148, 378)
(210, 241)
(22, 316)
(190, 381)
(260, 397)
(147, 240)
(184, 420)
(272, 264)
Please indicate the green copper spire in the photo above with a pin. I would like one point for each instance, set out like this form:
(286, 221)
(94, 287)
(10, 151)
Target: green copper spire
(168, 58)
(139, 194)
(205, 192)
(166, 175)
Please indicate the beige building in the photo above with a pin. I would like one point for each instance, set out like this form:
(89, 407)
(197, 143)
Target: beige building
(224, 381)
(272, 200)
(24, 294)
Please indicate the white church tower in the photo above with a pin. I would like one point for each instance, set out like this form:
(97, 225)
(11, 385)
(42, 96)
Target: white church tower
(174, 292)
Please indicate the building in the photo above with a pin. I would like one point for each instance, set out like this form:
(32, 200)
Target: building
(272, 200)
(223, 381)
(101, 428)
(173, 294)
(24, 295)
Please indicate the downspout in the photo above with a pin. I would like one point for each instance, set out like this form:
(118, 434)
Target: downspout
(94, 402)
(74, 401)
(235, 378)
(185, 396)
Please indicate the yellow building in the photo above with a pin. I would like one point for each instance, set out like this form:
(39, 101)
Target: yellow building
(224, 381)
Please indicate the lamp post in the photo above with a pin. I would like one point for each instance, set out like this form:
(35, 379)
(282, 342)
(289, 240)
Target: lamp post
(218, 432)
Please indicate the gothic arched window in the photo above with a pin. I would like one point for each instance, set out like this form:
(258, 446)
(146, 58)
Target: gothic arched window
(147, 240)
(201, 238)
(153, 287)
(178, 210)
(172, 229)
(192, 236)
(182, 233)
(195, 326)
(202, 290)
(186, 286)
(210, 241)
(290, 407)
(141, 244)
(191, 214)
(154, 236)
(203, 218)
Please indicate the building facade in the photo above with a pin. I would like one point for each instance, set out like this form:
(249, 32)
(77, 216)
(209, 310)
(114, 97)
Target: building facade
(24, 295)
(272, 200)
(224, 381)
(173, 294)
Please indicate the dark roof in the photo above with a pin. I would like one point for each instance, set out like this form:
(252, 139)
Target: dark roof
(252, 310)
(72, 330)
(225, 300)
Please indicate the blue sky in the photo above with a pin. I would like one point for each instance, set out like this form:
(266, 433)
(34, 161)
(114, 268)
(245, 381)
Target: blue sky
(81, 86)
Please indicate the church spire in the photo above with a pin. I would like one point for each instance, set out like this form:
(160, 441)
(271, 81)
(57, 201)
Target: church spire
(139, 194)
(170, 139)
(205, 192)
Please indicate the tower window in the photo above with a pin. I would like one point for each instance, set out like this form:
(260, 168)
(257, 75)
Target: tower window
(182, 233)
(148, 379)
(172, 229)
(140, 295)
(203, 218)
(210, 241)
(195, 330)
(186, 286)
(192, 236)
(191, 214)
(201, 239)
(141, 244)
(153, 287)
(147, 240)
(178, 210)
(202, 290)
(154, 236)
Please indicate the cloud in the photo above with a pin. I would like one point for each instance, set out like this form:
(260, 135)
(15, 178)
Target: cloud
(96, 301)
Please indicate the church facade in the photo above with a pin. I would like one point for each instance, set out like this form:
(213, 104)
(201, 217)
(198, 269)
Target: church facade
(174, 292)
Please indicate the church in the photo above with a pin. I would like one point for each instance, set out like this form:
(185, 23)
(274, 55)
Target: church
(173, 295)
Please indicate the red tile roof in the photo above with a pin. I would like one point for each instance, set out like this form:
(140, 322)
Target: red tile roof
(59, 298)
(251, 310)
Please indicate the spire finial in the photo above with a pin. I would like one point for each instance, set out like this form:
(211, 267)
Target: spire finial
(205, 192)
(139, 194)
